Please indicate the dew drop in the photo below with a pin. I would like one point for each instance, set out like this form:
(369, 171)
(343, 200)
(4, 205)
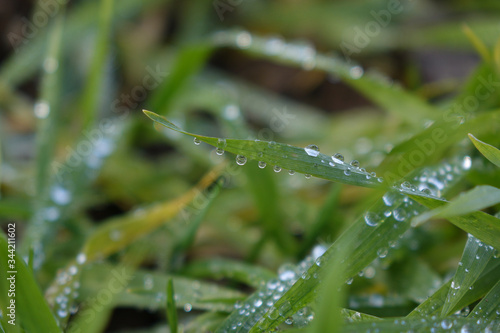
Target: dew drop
(148, 282)
(219, 151)
(355, 163)
(72, 270)
(262, 164)
(347, 172)
(382, 252)
(291, 172)
(312, 150)
(241, 160)
(406, 185)
(308, 176)
(426, 191)
(197, 141)
(231, 112)
(277, 168)
(41, 110)
(50, 65)
(466, 163)
(356, 72)
(399, 214)
(188, 307)
(81, 258)
(243, 40)
(446, 324)
(338, 158)
(372, 219)
(60, 195)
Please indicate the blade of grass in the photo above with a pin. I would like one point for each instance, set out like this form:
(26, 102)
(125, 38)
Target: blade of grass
(483, 226)
(285, 156)
(490, 152)
(93, 87)
(478, 198)
(489, 307)
(189, 60)
(389, 97)
(433, 143)
(31, 309)
(477, 43)
(434, 304)
(473, 262)
(146, 289)
(49, 106)
(422, 325)
(329, 316)
(171, 310)
(251, 275)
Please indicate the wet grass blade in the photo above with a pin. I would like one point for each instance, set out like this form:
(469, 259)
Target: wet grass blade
(434, 304)
(329, 316)
(284, 156)
(489, 307)
(146, 289)
(483, 226)
(490, 152)
(171, 308)
(422, 325)
(476, 199)
(251, 275)
(31, 309)
(473, 262)
(388, 96)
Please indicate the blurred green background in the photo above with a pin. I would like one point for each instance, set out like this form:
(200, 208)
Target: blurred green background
(77, 151)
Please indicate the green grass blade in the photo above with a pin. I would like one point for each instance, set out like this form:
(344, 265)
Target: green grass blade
(206, 322)
(434, 304)
(422, 325)
(431, 144)
(31, 310)
(171, 309)
(189, 60)
(93, 87)
(329, 316)
(489, 307)
(483, 226)
(476, 199)
(474, 260)
(146, 289)
(50, 105)
(253, 276)
(490, 152)
(284, 156)
(390, 97)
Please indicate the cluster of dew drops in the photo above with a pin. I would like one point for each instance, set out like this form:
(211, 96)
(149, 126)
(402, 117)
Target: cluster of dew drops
(264, 300)
(311, 150)
(67, 280)
(300, 52)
